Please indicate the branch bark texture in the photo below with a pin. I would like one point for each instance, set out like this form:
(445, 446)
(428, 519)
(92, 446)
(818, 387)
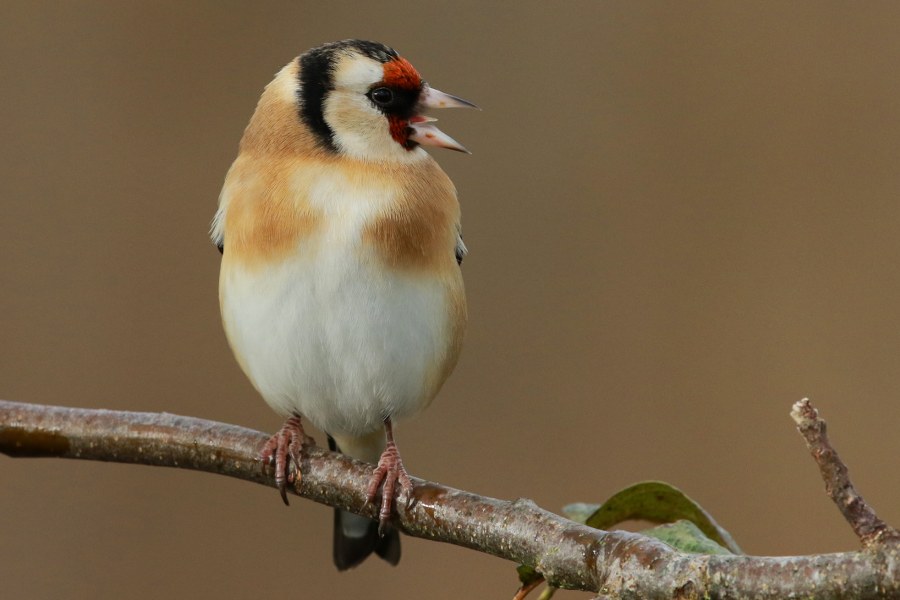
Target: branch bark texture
(569, 555)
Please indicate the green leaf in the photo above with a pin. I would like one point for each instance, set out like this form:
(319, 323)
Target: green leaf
(687, 527)
(656, 502)
(685, 536)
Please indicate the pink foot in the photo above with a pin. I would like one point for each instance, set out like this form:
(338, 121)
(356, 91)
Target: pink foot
(283, 449)
(389, 471)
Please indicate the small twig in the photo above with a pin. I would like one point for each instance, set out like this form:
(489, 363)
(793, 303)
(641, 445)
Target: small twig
(526, 589)
(858, 513)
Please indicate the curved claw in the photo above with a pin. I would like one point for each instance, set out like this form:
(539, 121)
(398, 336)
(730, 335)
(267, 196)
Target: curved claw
(284, 449)
(389, 472)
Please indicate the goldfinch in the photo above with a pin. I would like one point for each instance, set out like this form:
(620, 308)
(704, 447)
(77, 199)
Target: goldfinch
(340, 286)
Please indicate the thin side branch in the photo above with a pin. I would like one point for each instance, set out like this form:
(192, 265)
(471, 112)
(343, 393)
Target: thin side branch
(569, 555)
(858, 513)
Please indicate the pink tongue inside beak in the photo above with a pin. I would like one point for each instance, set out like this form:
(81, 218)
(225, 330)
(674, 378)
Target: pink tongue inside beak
(423, 130)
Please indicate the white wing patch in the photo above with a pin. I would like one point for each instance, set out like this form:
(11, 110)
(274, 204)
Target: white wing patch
(461, 249)
(217, 228)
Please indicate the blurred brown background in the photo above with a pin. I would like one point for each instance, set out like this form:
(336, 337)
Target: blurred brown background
(682, 218)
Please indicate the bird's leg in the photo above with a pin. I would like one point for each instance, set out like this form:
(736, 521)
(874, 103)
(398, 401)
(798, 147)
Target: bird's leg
(389, 471)
(283, 448)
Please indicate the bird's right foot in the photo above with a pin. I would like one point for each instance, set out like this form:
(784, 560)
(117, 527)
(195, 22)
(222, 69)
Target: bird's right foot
(284, 449)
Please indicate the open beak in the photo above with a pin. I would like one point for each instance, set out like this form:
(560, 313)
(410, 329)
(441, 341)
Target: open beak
(423, 130)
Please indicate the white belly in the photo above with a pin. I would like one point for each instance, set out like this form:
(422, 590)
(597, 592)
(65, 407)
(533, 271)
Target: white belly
(334, 336)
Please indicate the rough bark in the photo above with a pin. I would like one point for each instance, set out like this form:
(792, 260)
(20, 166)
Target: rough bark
(569, 555)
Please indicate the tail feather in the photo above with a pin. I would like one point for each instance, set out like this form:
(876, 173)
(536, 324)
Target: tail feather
(356, 537)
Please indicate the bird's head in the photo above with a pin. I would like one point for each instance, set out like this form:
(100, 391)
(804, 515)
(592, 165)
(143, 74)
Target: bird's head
(364, 100)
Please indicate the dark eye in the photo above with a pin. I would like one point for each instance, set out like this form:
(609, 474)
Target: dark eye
(382, 96)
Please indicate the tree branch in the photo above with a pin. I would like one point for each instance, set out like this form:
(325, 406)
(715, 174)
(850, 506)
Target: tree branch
(569, 555)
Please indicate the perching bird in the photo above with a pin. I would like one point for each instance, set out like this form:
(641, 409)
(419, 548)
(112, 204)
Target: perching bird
(340, 288)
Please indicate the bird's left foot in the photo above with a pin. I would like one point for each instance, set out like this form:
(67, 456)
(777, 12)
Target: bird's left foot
(390, 472)
(284, 448)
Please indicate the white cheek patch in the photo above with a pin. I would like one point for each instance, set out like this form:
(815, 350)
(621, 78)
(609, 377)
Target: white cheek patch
(359, 128)
(362, 131)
